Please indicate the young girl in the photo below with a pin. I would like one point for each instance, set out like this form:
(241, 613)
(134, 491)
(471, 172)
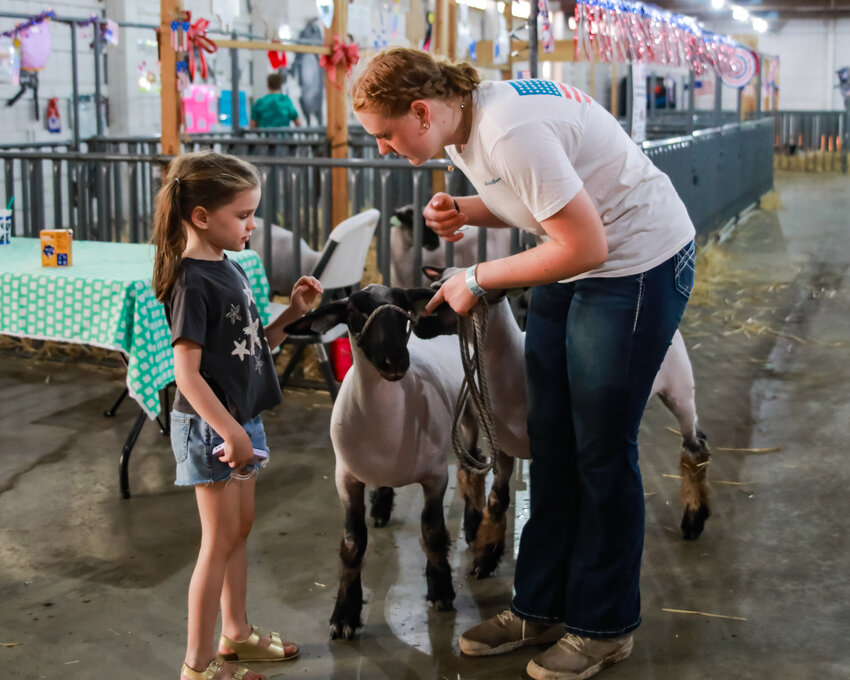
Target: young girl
(225, 377)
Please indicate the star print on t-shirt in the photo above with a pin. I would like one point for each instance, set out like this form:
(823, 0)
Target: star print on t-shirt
(252, 331)
(249, 294)
(234, 314)
(241, 349)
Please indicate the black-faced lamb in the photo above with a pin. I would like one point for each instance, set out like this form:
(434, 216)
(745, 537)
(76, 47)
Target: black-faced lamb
(434, 248)
(391, 425)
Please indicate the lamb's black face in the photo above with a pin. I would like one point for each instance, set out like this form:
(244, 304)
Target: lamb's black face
(384, 341)
(430, 240)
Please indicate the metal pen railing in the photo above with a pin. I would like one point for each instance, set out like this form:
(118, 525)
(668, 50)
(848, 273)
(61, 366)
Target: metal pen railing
(110, 195)
(718, 172)
(813, 134)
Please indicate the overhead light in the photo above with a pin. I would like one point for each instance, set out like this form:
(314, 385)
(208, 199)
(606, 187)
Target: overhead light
(521, 9)
(718, 4)
(572, 23)
(759, 25)
(739, 13)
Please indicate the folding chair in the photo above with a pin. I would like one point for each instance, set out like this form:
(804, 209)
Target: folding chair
(339, 269)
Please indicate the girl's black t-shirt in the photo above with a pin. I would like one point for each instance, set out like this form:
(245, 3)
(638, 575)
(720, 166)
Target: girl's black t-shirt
(212, 304)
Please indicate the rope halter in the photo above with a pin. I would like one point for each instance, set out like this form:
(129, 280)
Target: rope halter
(410, 318)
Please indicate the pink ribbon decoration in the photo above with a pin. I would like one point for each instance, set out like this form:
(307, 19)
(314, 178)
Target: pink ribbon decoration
(341, 52)
(197, 37)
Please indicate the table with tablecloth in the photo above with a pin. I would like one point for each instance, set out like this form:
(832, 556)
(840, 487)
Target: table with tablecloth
(103, 299)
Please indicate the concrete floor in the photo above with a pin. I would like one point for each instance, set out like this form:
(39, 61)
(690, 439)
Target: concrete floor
(95, 586)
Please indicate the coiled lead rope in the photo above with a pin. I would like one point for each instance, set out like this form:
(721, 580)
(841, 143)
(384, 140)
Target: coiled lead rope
(471, 333)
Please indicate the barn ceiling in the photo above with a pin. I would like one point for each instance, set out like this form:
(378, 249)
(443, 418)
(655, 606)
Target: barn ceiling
(770, 10)
(765, 9)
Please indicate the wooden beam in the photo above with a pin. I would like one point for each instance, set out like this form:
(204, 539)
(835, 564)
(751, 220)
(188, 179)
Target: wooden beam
(564, 51)
(267, 45)
(338, 116)
(169, 97)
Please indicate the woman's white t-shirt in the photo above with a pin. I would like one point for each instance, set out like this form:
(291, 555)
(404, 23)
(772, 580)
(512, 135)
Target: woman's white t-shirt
(535, 143)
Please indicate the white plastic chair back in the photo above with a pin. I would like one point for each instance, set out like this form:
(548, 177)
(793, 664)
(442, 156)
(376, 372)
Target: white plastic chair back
(344, 255)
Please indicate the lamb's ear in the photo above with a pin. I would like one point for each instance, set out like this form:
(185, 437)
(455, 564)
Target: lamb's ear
(404, 216)
(321, 319)
(433, 273)
(442, 321)
(417, 300)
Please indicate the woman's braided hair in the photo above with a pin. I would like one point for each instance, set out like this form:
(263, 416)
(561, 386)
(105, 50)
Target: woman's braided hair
(395, 77)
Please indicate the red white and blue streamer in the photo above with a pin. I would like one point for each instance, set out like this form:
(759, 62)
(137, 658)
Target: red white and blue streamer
(637, 32)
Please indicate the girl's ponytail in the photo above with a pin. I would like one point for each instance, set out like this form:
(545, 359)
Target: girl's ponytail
(169, 237)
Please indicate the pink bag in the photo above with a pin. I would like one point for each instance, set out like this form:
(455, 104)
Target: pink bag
(35, 46)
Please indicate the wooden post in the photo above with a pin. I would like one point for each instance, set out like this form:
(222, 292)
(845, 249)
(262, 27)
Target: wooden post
(615, 90)
(415, 23)
(508, 70)
(169, 97)
(442, 48)
(441, 28)
(749, 94)
(452, 51)
(338, 116)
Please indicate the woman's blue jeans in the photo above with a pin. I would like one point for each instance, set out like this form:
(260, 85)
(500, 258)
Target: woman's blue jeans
(592, 349)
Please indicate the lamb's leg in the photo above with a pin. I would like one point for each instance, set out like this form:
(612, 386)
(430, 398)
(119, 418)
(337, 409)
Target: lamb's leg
(472, 488)
(674, 384)
(349, 599)
(694, 493)
(490, 543)
(381, 500)
(436, 542)
(693, 464)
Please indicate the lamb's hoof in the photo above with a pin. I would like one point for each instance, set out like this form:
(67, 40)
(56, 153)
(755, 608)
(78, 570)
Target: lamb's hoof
(693, 522)
(344, 631)
(382, 505)
(445, 605)
(344, 626)
(345, 619)
(487, 560)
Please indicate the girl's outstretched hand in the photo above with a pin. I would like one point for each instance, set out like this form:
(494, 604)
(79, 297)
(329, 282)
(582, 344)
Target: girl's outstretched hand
(304, 294)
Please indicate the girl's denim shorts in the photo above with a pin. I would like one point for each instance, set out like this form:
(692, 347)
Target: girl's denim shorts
(193, 441)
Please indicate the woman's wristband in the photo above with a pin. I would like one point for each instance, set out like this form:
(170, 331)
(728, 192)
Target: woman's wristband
(472, 282)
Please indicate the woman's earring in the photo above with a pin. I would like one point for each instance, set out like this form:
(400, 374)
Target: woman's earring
(425, 124)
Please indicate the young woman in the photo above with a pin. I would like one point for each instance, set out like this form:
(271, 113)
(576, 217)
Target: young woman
(612, 271)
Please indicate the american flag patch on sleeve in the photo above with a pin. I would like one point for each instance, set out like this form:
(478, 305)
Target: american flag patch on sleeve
(533, 86)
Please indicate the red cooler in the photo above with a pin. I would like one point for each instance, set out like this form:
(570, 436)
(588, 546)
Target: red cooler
(340, 357)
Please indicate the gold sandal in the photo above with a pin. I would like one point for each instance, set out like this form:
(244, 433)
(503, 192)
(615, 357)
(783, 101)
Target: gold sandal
(251, 649)
(215, 671)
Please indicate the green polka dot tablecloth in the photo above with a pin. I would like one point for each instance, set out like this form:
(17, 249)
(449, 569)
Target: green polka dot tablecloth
(104, 299)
